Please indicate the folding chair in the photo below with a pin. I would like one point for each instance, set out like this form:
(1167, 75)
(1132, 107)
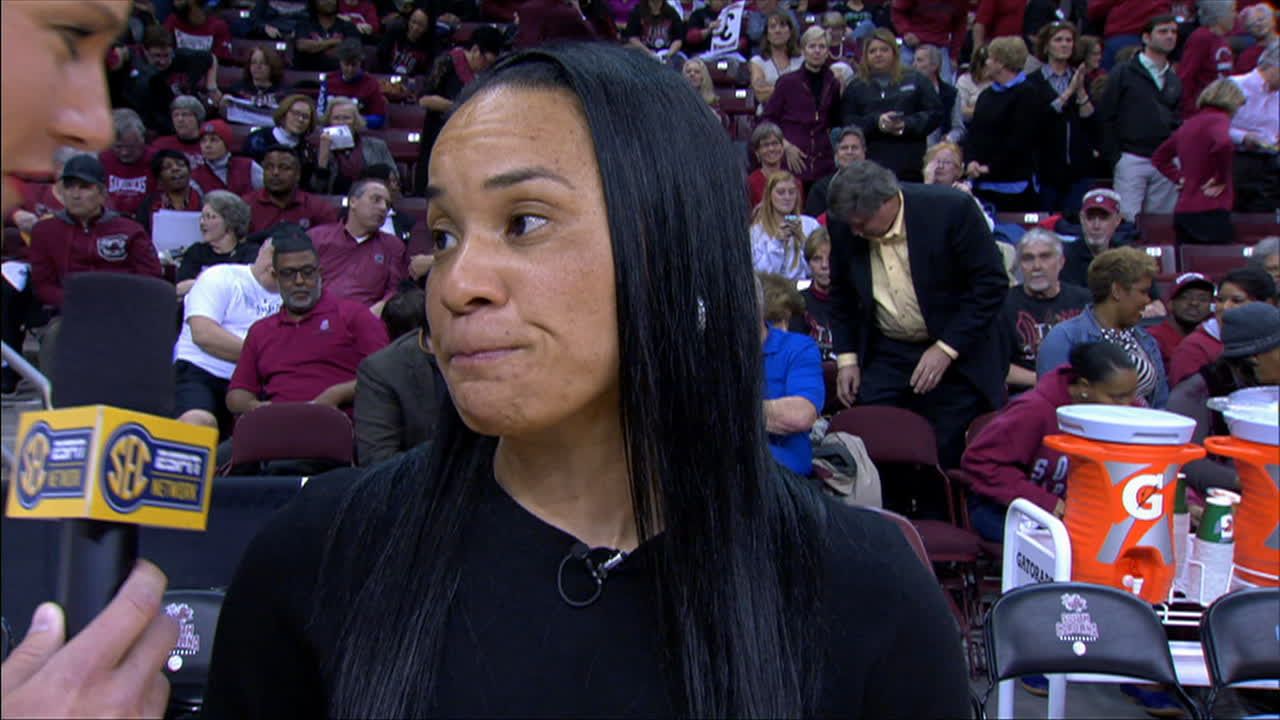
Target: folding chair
(1071, 627)
(187, 669)
(909, 532)
(895, 436)
(318, 434)
(1240, 633)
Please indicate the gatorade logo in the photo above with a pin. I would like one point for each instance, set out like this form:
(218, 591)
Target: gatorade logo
(139, 470)
(1141, 497)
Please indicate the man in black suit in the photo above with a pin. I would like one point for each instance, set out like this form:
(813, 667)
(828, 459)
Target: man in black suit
(916, 289)
(398, 388)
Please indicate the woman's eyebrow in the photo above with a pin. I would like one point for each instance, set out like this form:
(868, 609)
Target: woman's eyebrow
(510, 178)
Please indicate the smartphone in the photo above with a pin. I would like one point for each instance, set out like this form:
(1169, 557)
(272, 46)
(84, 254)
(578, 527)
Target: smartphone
(792, 218)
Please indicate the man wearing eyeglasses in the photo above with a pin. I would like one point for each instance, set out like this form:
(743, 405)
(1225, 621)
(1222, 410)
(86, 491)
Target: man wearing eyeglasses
(310, 350)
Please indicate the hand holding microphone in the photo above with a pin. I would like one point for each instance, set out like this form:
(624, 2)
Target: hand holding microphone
(113, 667)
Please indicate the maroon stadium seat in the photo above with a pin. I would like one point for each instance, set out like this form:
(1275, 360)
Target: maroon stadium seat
(242, 48)
(1156, 229)
(727, 72)
(407, 117)
(293, 431)
(229, 75)
(1252, 227)
(303, 79)
(420, 241)
(1214, 260)
(414, 207)
(240, 132)
(737, 101)
(404, 143)
(1026, 220)
(1166, 258)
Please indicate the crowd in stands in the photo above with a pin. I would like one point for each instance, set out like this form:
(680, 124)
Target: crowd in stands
(1099, 141)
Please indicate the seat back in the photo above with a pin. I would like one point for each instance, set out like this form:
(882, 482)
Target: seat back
(897, 436)
(1156, 229)
(1165, 257)
(910, 532)
(892, 435)
(1241, 636)
(187, 669)
(1214, 260)
(1071, 627)
(736, 101)
(293, 431)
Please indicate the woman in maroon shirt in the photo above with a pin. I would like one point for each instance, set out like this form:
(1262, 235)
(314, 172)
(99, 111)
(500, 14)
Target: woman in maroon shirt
(805, 105)
(1205, 153)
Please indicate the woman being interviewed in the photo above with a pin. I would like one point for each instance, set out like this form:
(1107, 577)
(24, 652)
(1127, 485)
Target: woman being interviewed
(457, 581)
(779, 231)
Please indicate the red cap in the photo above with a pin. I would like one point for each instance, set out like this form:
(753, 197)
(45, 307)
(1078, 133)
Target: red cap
(1190, 279)
(1102, 199)
(219, 128)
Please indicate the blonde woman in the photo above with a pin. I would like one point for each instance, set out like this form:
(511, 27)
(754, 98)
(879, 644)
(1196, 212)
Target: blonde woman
(779, 231)
(695, 71)
(1204, 170)
(337, 169)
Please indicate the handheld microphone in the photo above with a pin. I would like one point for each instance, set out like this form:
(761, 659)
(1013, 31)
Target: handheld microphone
(109, 458)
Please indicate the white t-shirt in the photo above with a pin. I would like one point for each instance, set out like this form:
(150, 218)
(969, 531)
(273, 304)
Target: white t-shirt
(232, 297)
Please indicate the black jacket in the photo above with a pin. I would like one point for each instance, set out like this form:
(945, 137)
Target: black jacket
(1067, 141)
(1005, 131)
(913, 96)
(1136, 116)
(958, 277)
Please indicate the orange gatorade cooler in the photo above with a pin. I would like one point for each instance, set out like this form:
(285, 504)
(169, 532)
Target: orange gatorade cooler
(1121, 491)
(1254, 445)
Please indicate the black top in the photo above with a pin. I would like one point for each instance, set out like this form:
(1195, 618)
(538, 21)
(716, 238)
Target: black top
(1005, 132)
(864, 101)
(1030, 319)
(1135, 115)
(513, 647)
(202, 255)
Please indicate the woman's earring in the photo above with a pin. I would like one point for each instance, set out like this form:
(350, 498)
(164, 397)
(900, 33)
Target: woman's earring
(702, 315)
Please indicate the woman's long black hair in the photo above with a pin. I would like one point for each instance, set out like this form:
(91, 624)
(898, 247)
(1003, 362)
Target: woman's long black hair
(739, 569)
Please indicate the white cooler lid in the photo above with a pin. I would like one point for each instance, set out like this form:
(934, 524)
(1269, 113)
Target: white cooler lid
(1255, 425)
(1265, 397)
(1132, 425)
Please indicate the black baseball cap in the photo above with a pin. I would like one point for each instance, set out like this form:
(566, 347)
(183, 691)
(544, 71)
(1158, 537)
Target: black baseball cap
(84, 167)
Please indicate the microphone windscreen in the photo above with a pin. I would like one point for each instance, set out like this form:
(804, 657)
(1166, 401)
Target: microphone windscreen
(115, 346)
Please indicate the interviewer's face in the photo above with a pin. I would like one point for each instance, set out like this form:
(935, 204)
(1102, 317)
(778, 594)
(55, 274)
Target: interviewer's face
(61, 90)
(521, 298)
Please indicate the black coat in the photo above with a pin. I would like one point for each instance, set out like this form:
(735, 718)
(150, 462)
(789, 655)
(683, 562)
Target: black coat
(1005, 132)
(958, 276)
(913, 95)
(1137, 116)
(1067, 141)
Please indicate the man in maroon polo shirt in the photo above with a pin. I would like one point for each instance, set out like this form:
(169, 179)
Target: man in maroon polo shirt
(310, 350)
(361, 262)
(85, 237)
(280, 199)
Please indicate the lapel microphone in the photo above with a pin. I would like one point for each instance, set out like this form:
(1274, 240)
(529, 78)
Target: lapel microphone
(598, 562)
